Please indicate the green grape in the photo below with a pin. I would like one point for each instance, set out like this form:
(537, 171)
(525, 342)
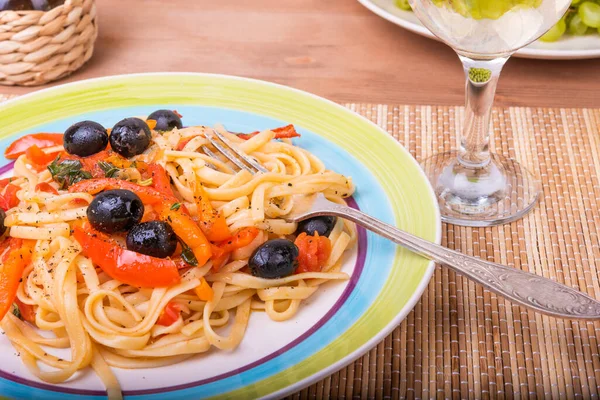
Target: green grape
(555, 32)
(590, 14)
(576, 26)
(402, 4)
(573, 2)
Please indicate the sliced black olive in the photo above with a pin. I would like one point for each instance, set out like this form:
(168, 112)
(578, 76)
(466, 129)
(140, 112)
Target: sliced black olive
(153, 238)
(115, 211)
(130, 137)
(166, 120)
(274, 259)
(85, 138)
(322, 225)
(2, 217)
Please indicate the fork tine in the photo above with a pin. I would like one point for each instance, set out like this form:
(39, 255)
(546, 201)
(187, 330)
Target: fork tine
(209, 134)
(240, 153)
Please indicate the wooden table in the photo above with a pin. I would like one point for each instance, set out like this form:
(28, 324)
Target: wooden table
(334, 48)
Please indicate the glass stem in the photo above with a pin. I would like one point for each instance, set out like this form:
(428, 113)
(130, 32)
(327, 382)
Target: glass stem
(482, 78)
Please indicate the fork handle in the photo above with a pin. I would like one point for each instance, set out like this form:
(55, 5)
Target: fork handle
(524, 288)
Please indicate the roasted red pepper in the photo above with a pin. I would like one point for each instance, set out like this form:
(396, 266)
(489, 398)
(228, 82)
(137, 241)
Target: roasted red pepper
(14, 260)
(9, 199)
(183, 225)
(46, 187)
(284, 132)
(169, 315)
(41, 140)
(124, 265)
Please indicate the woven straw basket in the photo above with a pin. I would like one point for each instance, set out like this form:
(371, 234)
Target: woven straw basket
(37, 47)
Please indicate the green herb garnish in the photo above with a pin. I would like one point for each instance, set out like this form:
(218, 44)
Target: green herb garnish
(67, 172)
(176, 206)
(15, 310)
(109, 170)
(187, 254)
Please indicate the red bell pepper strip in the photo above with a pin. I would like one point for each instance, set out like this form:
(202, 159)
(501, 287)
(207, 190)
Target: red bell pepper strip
(222, 250)
(183, 225)
(4, 182)
(182, 142)
(9, 199)
(169, 315)
(14, 261)
(46, 187)
(41, 140)
(124, 265)
(284, 132)
(38, 158)
(160, 179)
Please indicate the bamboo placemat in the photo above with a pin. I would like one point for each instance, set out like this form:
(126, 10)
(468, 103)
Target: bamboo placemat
(461, 341)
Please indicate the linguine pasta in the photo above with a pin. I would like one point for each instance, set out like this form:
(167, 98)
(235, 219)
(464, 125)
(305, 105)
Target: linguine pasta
(107, 323)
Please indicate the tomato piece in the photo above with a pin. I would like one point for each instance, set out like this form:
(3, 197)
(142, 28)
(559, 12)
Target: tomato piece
(169, 315)
(124, 265)
(16, 258)
(9, 199)
(26, 310)
(313, 252)
(160, 179)
(46, 187)
(41, 140)
(212, 222)
(284, 132)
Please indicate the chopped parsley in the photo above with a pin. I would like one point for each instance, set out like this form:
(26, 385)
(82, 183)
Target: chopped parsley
(67, 172)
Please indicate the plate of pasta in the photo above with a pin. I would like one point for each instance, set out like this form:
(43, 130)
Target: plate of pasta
(136, 260)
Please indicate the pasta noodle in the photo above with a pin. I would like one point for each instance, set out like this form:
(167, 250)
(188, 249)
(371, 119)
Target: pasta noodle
(108, 323)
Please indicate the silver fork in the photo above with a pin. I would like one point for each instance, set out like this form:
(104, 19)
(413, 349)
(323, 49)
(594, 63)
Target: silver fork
(521, 287)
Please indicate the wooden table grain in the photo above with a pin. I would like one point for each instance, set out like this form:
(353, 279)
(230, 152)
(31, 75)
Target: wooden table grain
(333, 48)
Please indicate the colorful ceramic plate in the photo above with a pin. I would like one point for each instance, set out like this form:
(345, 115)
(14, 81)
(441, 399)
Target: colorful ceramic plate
(343, 320)
(567, 48)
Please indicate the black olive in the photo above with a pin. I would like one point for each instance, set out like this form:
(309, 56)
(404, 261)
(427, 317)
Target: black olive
(274, 259)
(166, 120)
(153, 238)
(85, 138)
(130, 137)
(322, 225)
(2, 227)
(115, 211)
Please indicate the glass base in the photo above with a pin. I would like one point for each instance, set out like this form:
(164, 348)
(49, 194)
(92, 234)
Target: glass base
(501, 192)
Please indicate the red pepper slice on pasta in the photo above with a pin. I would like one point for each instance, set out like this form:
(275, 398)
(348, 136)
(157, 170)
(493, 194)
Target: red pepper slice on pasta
(183, 225)
(9, 199)
(41, 140)
(46, 187)
(15, 257)
(170, 314)
(284, 132)
(124, 265)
